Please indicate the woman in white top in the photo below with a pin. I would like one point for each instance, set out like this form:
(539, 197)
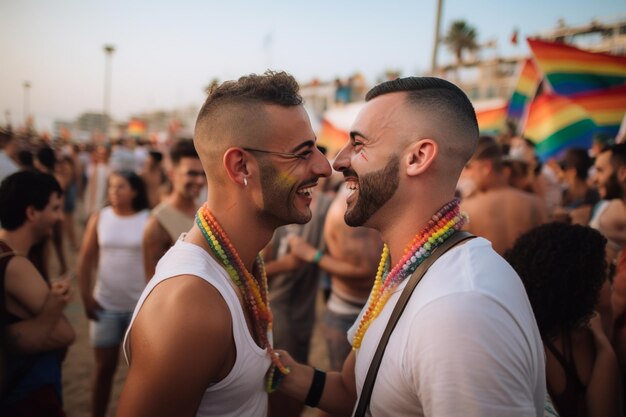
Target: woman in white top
(113, 243)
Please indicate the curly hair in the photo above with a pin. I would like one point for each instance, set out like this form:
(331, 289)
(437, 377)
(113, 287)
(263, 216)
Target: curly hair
(271, 88)
(562, 267)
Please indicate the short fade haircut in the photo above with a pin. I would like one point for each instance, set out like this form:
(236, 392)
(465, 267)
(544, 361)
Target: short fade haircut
(234, 114)
(22, 190)
(440, 96)
(271, 88)
(183, 148)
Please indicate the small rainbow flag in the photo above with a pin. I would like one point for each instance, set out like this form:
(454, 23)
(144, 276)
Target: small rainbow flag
(606, 108)
(491, 120)
(527, 83)
(556, 123)
(136, 128)
(570, 70)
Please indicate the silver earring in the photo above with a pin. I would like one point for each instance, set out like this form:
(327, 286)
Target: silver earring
(245, 182)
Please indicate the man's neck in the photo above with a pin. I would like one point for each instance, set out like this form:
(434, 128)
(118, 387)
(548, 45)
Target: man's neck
(20, 240)
(248, 237)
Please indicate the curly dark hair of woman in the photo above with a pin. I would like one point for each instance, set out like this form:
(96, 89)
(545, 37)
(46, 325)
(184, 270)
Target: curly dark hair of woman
(562, 267)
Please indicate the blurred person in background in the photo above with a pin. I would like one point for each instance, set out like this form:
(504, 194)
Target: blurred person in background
(8, 154)
(112, 243)
(68, 177)
(46, 162)
(175, 214)
(352, 261)
(498, 212)
(563, 269)
(579, 197)
(97, 175)
(154, 177)
(35, 331)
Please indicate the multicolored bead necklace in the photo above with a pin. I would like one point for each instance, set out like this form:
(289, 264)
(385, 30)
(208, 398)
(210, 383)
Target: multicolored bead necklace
(253, 291)
(441, 226)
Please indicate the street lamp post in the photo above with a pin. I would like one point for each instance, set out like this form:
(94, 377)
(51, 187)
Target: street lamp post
(108, 49)
(26, 85)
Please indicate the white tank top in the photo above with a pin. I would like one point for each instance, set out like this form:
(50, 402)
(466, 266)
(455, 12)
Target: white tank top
(241, 392)
(121, 276)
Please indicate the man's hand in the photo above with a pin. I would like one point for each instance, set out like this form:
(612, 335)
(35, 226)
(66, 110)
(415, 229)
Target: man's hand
(300, 248)
(91, 307)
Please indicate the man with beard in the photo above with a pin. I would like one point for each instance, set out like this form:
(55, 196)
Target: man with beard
(610, 219)
(175, 214)
(467, 343)
(609, 215)
(35, 331)
(199, 342)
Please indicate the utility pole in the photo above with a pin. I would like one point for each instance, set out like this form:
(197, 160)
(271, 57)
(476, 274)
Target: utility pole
(433, 61)
(108, 49)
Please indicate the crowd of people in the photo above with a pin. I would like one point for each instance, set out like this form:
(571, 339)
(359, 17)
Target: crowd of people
(203, 263)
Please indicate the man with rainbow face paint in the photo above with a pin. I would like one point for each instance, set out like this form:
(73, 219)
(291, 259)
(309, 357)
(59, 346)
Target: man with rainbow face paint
(467, 343)
(200, 340)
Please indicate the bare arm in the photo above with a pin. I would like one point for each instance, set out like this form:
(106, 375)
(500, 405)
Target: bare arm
(180, 343)
(357, 267)
(87, 259)
(603, 389)
(339, 394)
(44, 327)
(156, 241)
(287, 263)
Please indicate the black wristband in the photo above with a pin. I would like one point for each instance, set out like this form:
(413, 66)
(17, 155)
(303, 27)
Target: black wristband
(317, 388)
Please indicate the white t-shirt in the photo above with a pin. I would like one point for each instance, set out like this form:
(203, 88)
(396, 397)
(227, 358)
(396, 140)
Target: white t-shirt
(121, 275)
(242, 392)
(467, 343)
(7, 166)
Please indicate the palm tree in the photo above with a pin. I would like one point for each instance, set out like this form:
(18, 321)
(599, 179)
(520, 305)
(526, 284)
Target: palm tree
(461, 37)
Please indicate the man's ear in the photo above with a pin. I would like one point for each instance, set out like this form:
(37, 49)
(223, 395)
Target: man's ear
(31, 213)
(621, 174)
(236, 162)
(420, 155)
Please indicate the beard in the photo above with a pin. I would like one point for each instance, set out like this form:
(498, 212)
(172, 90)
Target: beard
(375, 189)
(612, 188)
(278, 198)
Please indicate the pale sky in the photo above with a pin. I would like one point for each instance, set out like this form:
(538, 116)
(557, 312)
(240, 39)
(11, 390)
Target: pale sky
(168, 51)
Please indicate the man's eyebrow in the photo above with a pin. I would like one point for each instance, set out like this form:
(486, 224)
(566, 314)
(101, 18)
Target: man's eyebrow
(355, 133)
(307, 144)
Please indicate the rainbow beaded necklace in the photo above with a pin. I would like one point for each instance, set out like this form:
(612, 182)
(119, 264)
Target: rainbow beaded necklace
(441, 226)
(253, 291)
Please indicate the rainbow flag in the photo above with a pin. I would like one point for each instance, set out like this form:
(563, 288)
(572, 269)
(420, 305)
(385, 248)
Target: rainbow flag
(527, 83)
(332, 137)
(606, 108)
(570, 70)
(491, 120)
(556, 123)
(136, 128)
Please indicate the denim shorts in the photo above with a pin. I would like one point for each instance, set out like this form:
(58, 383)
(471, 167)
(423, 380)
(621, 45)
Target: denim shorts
(110, 328)
(336, 327)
